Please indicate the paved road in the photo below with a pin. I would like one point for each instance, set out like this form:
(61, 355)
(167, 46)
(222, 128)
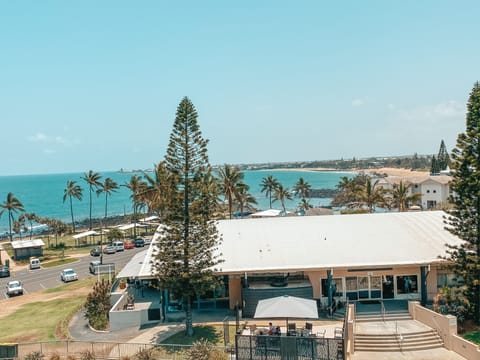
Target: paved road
(44, 278)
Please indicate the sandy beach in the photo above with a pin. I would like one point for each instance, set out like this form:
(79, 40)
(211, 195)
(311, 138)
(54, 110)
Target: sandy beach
(385, 170)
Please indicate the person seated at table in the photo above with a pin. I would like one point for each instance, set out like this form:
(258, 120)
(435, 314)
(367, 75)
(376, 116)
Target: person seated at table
(278, 331)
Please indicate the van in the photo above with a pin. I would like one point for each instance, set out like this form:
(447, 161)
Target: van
(34, 263)
(118, 246)
(96, 267)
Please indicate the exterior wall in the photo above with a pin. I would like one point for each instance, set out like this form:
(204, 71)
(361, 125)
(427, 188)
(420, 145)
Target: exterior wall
(433, 191)
(25, 253)
(446, 326)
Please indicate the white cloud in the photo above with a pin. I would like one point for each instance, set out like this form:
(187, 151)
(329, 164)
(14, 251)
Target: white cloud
(434, 113)
(358, 102)
(43, 138)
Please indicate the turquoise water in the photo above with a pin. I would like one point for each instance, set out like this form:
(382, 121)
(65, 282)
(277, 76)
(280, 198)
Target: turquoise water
(43, 194)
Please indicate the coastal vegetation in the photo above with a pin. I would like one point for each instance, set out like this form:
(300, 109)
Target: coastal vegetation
(93, 180)
(464, 218)
(11, 205)
(73, 190)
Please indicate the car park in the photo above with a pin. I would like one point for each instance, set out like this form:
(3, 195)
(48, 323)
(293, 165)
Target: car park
(4, 271)
(128, 245)
(139, 242)
(96, 252)
(68, 275)
(14, 288)
(109, 250)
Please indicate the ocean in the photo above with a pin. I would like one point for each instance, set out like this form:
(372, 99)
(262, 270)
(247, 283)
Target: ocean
(43, 194)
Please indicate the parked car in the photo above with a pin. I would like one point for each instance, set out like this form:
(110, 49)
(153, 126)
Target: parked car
(139, 242)
(34, 263)
(118, 246)
(96, 252)
(129, 245)
(147, 241)
(68, 275)
(14, 288)
(109, 250)
(96, 267)
(4, 271)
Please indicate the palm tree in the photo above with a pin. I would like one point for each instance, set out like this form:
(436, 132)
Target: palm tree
(108, 187)
(269, 184)
(72, 191)
(153, 192)
(93, 181)
(371, 195)
(136, 186)
(302, 188)
(244, 198)
(12, 205)
(401, 197)
(31, 217)
(230, 179)
(304, 205)
(281, 194)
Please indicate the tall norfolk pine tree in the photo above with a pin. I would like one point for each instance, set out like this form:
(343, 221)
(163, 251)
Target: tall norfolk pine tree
(464, 218)
(188, 240)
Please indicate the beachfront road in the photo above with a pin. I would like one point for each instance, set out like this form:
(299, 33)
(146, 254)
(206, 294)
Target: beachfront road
(45, 278)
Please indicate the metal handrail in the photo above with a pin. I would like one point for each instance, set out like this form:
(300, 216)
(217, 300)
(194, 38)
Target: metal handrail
(383, 311)
(399, 337)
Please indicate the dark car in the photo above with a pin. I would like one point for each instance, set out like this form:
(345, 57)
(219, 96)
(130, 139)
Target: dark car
(4, 272)
(139, 242)
(96, 252)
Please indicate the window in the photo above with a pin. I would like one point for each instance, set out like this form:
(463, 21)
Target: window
(428, 191)
(407, 284)
(449, 280)
(434, 191)
(337, 287)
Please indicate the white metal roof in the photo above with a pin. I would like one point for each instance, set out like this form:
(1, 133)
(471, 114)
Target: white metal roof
(312, 242)
(22, 244)
(316, 242)
(86, 233)
(130, 226)
(150, 218)
(267, 213)
(134, 266)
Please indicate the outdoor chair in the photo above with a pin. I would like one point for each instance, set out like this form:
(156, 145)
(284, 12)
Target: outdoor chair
(292, 329)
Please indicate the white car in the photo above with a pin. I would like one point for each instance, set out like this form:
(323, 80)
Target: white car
(68, 275)
(14, 288)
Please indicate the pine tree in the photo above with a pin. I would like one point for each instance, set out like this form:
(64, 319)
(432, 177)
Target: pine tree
(464, 218)
(188, 241)
(434, 168)
(443, 158)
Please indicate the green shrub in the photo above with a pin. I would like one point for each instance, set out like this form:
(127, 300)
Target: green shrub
(34, 355)
(145, 354)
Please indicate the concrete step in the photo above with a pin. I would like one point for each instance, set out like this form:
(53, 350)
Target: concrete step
(421, 340)
(389, 316)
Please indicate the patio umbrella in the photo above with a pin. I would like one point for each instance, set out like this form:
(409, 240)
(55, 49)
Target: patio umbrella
(285, 307)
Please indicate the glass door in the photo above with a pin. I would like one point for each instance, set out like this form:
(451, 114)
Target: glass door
(375, 287)
(363, 287)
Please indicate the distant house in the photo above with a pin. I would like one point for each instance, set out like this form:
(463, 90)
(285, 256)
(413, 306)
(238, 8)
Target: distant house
(24, 249)
(434, 189)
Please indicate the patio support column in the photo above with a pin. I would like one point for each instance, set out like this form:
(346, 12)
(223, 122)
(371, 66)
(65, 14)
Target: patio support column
(423, 284)
(329, 287)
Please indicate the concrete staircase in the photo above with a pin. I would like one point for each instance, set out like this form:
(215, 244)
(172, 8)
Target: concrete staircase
(420, 340)
(390, 315)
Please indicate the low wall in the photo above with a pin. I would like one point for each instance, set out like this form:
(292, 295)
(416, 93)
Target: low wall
(446, 326)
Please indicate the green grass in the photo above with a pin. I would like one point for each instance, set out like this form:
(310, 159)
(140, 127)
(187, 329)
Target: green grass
(213, 334)
(64, 261)
(39, 320)
(73, 285)
(473, 336)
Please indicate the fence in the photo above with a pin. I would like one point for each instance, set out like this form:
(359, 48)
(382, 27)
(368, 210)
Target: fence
(100, 350)
(263, 347)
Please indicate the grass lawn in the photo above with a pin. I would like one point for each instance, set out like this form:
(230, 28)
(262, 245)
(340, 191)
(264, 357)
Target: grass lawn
(73, 285)
(38, 321)
(64, 261)
(473, 336)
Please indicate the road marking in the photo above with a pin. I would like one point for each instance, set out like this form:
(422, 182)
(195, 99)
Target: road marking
(43, 286)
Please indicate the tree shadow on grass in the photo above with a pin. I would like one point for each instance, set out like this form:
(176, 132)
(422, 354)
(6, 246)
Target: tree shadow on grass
(179, 341)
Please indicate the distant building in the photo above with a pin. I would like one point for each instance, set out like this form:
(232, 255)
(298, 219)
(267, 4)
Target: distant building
(434, 189)
(24, 249)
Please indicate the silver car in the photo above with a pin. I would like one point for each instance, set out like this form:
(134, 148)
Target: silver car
(68, 275)
(14, 288)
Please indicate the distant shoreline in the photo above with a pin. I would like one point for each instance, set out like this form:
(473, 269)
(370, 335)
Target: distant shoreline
(386, 170)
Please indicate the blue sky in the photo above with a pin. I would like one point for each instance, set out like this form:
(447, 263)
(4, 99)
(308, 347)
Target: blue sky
(95, 84)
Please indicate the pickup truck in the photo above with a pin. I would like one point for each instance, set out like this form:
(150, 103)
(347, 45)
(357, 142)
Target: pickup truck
(14, 288)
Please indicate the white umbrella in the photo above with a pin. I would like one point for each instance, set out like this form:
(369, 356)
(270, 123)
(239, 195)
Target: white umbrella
(285, 307)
